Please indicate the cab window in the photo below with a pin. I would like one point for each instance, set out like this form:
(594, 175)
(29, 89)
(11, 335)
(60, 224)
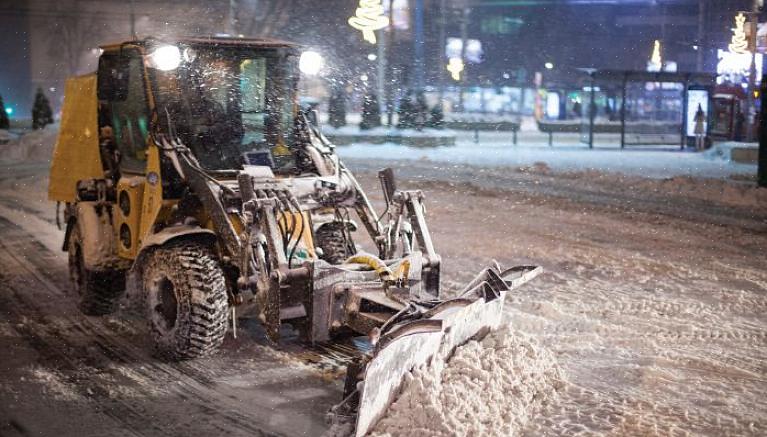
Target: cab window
(122, 91)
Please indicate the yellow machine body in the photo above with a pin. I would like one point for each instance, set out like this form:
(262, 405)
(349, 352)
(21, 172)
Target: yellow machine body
(127, 216)
(76, 156)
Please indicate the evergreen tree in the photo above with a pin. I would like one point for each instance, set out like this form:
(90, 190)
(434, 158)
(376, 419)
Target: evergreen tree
(371, 111)
(4, 122)
(42, 114)
(405, 112)
(437, 117)
(420, 111)
(337, 107)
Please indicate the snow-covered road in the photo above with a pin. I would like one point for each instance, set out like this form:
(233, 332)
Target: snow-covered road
(654, 298)
(653, 304)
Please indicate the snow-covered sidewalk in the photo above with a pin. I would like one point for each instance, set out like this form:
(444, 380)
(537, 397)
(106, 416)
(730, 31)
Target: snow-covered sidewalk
(496, 150)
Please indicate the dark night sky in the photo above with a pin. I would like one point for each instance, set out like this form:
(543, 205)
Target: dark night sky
(14, 64)
(571, 33)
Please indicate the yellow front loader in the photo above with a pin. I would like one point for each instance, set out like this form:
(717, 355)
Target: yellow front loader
(191, 177)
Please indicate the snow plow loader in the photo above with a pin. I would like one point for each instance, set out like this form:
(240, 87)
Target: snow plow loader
(192, 180)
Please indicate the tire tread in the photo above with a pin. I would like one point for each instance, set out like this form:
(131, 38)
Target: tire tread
(199, 282)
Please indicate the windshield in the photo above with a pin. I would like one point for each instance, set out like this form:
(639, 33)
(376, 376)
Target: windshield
(230, 106)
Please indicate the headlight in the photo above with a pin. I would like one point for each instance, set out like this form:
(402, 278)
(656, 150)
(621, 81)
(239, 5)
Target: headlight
(310, 63)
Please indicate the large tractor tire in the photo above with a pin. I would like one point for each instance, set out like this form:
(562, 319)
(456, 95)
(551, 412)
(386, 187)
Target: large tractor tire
(330, 238)
(186, 299)
(99, 290)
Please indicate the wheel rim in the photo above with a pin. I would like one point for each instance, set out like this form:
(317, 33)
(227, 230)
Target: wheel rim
(166, 307)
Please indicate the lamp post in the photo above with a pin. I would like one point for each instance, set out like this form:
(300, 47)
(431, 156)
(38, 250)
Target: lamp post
(464, 39)
(133, 20)
(761, 174)
(442, 58)
(752, 23)
(418, 42)
(753, 20)
(389, 72)
(701, 34)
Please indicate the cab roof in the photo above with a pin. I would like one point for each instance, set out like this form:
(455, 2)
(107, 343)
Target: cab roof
(211, 41)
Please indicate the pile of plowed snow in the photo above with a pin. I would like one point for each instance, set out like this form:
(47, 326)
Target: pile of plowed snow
(36, 145)
(490, 387)
(6, 137)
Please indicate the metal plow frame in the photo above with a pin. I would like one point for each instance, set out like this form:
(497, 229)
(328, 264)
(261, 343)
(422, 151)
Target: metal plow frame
(477, 310)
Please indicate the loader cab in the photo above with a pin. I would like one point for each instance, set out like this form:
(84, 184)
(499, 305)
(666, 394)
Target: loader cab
(232, 101)
(232, 105)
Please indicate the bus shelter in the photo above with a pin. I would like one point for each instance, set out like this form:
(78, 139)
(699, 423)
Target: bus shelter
(643, 107)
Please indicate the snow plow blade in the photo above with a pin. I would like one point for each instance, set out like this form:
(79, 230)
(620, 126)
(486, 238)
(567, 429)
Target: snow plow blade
(405, 345)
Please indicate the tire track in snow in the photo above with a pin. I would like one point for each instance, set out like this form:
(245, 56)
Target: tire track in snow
(189, 381)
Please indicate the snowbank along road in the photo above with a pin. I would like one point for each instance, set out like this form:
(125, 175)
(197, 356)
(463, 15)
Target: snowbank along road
(653, 306)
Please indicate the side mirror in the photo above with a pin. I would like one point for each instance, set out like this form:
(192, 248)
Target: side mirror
(388, 184)
(309, 109)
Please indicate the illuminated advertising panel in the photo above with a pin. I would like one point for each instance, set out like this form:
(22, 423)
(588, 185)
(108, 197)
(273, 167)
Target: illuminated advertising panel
(733, 67)
(695, 98)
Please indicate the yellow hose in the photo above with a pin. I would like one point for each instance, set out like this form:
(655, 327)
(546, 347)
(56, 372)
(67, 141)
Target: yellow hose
(374, 263)
(403, 272)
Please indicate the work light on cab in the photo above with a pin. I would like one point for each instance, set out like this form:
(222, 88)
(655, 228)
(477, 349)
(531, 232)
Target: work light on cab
(165, 58)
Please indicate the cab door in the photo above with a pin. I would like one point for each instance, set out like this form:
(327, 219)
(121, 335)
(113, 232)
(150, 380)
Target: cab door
(125, 105)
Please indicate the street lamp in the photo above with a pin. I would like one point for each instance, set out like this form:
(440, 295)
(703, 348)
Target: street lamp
(548, 65)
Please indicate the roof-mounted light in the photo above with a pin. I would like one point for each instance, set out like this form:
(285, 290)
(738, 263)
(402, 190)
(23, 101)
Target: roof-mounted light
(165, 58)
(310, 63)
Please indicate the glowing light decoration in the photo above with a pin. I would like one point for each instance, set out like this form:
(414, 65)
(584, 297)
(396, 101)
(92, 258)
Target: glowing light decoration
(695, 98)
(656, 60)
(368, 18)
(739, 43)
(455, 67)
(734, 67)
